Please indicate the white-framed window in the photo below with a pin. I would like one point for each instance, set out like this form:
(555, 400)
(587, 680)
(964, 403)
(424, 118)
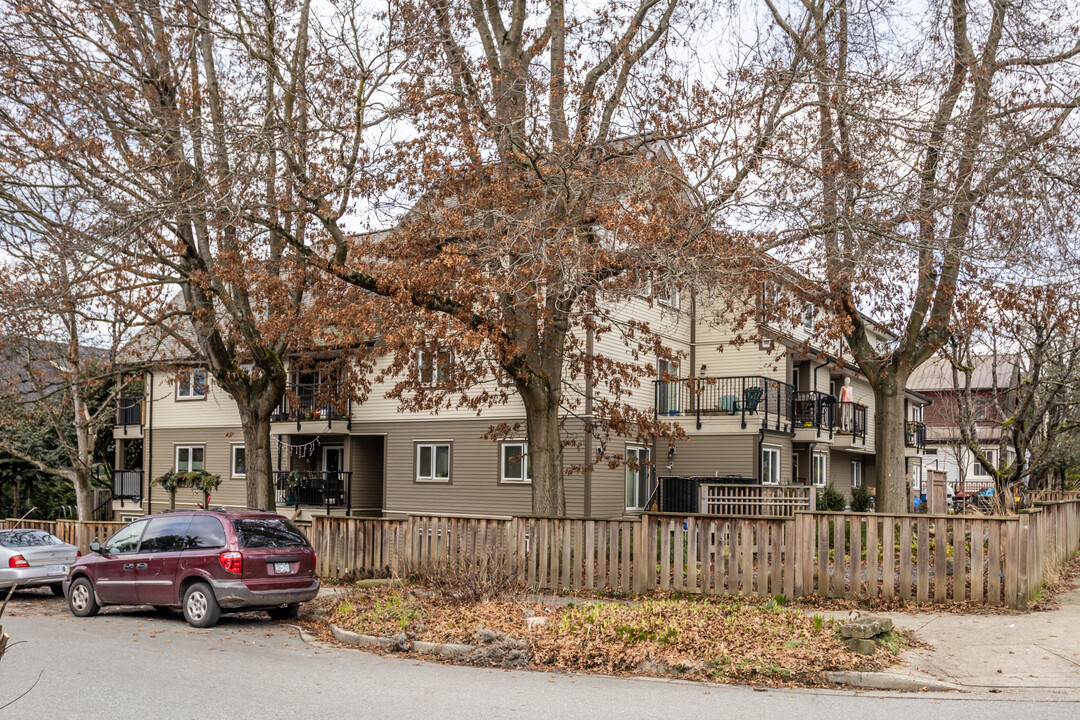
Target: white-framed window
(808, 316)
(819, 471)
(190, 457)
(771, 294)
(770, 465)
(916, 476)
(856, 473)
(433, 366)
(668, 396)
(239, 461)
(977, 469)
(514, 463)
(433, 461)
(667, 295)
(637, 477)
(191, 384)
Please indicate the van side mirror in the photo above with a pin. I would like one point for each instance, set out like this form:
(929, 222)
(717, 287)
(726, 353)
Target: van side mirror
(95, 547)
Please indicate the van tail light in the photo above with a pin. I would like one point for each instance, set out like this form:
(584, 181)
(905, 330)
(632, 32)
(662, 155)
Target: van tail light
(17, 561)
(78, 554)
(232, 562)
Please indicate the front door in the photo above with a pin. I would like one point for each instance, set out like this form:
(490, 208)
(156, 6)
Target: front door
(333, 462)
(114, 575)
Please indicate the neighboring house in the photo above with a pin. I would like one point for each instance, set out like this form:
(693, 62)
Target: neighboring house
(762, 412)
(944, 447)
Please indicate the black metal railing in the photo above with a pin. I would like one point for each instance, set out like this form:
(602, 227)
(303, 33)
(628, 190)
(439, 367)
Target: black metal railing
(851, 420)
(812, 409)
(127, 485)
(129, 410)
(753, 396)
(312, 401)
(315, 488)
(915, 434)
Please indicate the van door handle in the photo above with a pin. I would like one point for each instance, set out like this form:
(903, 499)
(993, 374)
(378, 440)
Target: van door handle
(129, 566)
(141, 566)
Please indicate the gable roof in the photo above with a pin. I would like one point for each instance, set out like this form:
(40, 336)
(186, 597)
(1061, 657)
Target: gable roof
(936, 374)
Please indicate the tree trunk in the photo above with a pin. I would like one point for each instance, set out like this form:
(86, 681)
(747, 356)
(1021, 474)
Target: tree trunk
(259, 479)
(545, 453)
(889, 433)
(84, 496)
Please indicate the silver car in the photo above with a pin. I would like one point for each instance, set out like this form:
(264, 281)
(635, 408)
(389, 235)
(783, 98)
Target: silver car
(30, 558)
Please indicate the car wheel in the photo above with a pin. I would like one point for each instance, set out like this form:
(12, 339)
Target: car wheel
(81, 600)
(57, 589)
(284, 613)
(201, 609)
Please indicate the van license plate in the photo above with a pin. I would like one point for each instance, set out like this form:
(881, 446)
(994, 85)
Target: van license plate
(281, 568)
(56, 569)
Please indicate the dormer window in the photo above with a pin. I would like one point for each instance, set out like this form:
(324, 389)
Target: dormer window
(809, 311)
(191, 384)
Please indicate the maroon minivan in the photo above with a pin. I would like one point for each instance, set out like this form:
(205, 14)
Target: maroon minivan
(201, 561)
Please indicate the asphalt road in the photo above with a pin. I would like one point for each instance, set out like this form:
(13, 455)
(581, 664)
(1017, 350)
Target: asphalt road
(134, 664)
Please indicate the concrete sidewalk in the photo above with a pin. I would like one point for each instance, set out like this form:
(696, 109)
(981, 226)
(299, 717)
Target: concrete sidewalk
(1029, 653)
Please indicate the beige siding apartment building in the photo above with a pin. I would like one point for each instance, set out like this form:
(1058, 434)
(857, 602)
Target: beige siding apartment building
(760, 412)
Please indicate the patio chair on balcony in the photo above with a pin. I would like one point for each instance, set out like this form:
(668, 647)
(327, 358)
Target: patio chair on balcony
(751, 398)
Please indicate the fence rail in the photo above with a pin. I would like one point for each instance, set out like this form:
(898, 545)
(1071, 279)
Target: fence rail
(917, 558)
(753, 500)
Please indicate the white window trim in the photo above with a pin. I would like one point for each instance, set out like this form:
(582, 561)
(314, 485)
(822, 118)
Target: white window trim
(857, 478)
(648, 456)
(176, 456)
(434, 354)
(189, 372)
(824, 469)
(671, 300)
(526, 469)
(449, 465)
(232, 460)
(779, 459)
(809, 316)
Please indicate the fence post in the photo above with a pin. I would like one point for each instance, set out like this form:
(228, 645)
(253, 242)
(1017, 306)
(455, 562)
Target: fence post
(813, 490)
(1024, 541)
(641, 565)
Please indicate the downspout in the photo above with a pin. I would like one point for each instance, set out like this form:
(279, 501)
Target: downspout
(760, 448)
(148, 444)
(589, 459)
(693, 358)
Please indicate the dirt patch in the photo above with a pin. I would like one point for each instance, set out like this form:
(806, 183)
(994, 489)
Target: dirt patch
(724, 639)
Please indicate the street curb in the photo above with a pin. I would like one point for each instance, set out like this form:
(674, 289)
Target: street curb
(397, 644)
(890, 681)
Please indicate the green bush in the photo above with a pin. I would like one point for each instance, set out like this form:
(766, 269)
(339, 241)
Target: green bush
(860, 499)
(830, 500)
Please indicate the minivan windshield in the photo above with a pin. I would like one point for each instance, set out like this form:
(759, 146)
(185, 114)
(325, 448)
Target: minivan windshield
(268, 533)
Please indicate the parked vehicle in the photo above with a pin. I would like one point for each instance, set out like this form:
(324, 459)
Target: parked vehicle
(204, 562)
(32, 558)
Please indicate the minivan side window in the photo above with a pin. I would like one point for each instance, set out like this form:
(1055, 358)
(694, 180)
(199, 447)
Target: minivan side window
(126, 540)
(165, 534)
(204, 532)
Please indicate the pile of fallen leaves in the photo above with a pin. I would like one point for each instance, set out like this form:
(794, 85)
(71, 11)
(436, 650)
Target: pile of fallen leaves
(719, 638)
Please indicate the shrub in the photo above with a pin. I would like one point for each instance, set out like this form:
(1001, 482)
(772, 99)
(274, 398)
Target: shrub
(486, 578)
(830, 500)
(860, 499)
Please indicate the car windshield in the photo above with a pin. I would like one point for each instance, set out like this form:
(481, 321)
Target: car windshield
(268, 533)
(27, 538)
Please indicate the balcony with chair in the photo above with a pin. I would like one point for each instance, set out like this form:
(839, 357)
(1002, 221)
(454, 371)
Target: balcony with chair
(329, 489)
(915, 436)
(747, 402)
(814, 415)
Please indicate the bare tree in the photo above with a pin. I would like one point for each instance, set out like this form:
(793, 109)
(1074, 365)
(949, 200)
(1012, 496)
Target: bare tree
(204, 133)
(922, 148)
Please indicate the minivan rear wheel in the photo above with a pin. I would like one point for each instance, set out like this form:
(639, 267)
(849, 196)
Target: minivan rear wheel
(284, 613)
(81, 600)
(201, 608)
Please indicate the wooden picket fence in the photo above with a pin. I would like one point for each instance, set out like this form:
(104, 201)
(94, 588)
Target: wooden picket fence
(748, 500)
(916, 558)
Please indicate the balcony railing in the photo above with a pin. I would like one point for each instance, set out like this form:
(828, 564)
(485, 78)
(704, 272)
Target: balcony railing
(752, 396)
(814, 409)
(129, 410)
(851, 420)
(915, 434)
(314, 488)
(312, 401)
(127, 485)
